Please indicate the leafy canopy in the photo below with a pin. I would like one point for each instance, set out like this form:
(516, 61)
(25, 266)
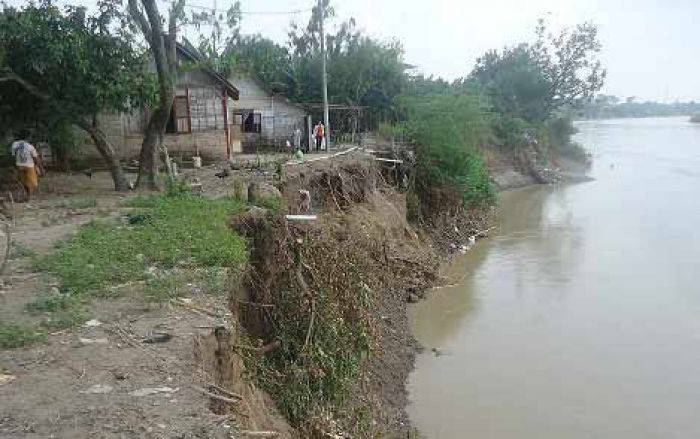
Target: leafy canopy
(533, 80)
(68, 62)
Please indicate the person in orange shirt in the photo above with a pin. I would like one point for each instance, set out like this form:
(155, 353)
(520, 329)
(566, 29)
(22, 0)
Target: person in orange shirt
(319, 131)
(28, 163)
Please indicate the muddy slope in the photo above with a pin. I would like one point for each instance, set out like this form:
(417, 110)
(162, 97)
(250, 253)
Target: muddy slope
(360, 248)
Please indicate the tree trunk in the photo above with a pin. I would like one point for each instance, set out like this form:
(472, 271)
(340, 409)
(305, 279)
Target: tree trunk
(152, 141)
(108, 154)
(163, 47)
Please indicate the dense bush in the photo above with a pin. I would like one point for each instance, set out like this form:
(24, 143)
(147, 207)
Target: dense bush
(446, 131)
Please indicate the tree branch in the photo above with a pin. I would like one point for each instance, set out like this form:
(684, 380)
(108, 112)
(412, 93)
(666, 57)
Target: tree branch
(141, 21)
(28, 86)
(175, 13)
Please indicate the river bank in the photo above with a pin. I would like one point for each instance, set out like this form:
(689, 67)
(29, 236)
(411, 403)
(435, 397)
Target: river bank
(351, 273)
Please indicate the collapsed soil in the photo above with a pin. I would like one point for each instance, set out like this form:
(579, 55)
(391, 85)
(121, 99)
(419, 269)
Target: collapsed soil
(52, 389)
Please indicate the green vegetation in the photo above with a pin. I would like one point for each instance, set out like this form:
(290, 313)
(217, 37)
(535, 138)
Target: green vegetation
(361, 70)
(60, 67)
(273, 204)
(185, 230)
(319, 317)
(302, 380)
(61, 310)
(53, 303)
(16, 336)
(447, 130)
(20, 250)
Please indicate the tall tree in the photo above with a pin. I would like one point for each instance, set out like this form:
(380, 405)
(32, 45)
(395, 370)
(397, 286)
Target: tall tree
(163, 49)
(62, 65)
(532, 80)
(361, 71)
(569, 62)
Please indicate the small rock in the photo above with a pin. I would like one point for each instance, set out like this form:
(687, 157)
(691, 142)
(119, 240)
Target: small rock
(98, 389)
(55, 291)
(119, 375)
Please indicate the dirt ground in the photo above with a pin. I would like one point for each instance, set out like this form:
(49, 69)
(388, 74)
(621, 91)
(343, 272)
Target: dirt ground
(102, 380)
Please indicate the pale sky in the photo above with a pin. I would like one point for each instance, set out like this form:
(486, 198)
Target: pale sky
(651, 48)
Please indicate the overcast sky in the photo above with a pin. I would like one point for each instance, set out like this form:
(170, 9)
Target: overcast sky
(651, 47)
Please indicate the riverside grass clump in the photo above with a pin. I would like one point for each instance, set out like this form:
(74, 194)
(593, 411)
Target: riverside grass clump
(446, 131)
(160, 231)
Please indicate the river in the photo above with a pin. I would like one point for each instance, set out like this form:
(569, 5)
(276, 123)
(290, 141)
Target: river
(580, 316)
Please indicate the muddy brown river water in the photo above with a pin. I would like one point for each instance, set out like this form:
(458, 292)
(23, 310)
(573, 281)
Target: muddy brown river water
(580, 317)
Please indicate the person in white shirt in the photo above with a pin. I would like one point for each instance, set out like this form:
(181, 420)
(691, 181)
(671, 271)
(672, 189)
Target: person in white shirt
(28, 163)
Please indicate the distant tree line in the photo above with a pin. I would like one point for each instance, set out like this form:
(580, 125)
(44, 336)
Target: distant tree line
(612, 107)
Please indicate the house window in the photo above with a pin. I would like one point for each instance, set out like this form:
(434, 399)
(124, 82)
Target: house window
(180, 115)
(250, 121)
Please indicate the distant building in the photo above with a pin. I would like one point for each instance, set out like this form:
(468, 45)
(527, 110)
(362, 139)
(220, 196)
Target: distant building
(263, 119)
(212, 117)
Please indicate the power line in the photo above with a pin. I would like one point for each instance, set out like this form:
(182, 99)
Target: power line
(292, 12)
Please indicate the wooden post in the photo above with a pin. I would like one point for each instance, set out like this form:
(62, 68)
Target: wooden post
(227, 131)
(324, 77)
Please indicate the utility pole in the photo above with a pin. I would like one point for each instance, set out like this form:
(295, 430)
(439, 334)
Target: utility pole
(326, 117)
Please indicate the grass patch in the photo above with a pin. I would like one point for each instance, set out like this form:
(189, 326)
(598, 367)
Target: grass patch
(142, 201)
(273, 204)
(20, 250)
(61, 310)
(50, 303)
(163, 288)
(177, 283)
(14, 336)
(183, 230)
(67, 319)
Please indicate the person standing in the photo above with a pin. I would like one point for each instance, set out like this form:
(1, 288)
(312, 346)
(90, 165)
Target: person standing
(319, 132)
(28, 163)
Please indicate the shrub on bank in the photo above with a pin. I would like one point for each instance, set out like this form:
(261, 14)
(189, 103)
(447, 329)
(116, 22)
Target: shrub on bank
(446, 130)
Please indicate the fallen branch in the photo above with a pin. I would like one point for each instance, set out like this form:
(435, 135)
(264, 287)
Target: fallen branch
(217, 397)
(253, 304)
(201, 310)
(250, 433)
(225, 392)
(333, 194)
(8, 237)
(305, 287)
(12, 208)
